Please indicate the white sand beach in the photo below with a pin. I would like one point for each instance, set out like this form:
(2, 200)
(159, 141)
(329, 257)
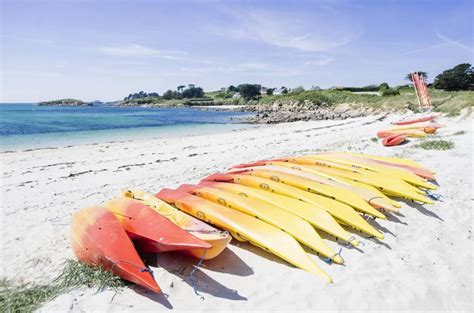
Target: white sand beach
(424, 263)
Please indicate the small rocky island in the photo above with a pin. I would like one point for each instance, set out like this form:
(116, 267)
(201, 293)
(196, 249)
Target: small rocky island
(65, 102)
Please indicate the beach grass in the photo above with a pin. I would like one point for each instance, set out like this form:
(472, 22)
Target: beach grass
(436, 145)
(450, 102)
(24, 297)
(27, 297)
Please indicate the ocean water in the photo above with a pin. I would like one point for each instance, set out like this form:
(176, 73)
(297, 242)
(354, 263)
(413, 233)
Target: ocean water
(27, 126)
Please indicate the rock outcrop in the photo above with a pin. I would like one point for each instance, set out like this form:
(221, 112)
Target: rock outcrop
(291, 111)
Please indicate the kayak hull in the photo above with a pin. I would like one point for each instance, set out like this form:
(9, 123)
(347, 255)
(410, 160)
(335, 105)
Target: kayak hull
(394, 140)
(98, 239)
(152, 232)
(218, 239)
(244, 228)
(306, 182)
(318, 217)
(337, 209)
(416, 120)
(297, 227)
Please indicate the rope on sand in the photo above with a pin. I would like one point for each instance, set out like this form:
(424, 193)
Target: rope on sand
(192, 277)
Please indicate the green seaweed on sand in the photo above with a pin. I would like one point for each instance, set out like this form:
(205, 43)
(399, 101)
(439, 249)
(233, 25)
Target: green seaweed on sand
(27, 297)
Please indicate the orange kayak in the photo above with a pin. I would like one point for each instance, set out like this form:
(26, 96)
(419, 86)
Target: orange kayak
(150, 231)
(98, 239)
(415, 133)
(215, 237)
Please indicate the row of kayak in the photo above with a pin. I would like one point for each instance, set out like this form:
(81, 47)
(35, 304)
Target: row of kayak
(279, 205)
(412, 128)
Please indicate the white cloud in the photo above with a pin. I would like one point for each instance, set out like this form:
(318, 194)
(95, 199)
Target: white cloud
(315, 31)
(229, 68)
(446, 42)
(137, 51)
(454, 42)
(259, 69)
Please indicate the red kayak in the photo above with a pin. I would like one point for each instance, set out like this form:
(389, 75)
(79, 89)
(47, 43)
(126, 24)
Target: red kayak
(417, 120)
(150, 231)
(98, 239)
(393, 140)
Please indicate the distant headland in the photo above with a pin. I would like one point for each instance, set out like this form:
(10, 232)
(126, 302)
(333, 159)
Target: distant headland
(68, 102)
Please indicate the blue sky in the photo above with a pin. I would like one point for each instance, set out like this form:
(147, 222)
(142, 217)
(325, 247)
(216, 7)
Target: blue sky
(108, 49)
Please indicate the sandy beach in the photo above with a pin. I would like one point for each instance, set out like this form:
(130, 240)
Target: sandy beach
(424, 263)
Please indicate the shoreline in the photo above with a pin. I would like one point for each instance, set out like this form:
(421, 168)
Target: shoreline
(72, 126)
(34, 142)
(408, 270)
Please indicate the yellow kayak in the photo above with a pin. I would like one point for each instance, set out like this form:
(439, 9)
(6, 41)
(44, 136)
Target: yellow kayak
(217, 238)
(420, 172)
(337, 209)
(300, 229)
(315, 215)
(307, 160)
(376, 192)
(412, 133)
(399, 161)
(294, 178)
(245, 228)
(374, 199)
(391, 185)
(360, 164)
(310, 164)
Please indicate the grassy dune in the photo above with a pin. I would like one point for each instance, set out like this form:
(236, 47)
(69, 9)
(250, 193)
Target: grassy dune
(443, 101)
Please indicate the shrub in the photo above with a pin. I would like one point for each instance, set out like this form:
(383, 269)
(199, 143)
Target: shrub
(384, 86)
(389, 92)
(436, 145)
(249, 91)
(297, 89)
(460, 77)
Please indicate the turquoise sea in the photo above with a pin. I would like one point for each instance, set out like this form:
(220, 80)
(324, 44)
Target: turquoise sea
(28, 126)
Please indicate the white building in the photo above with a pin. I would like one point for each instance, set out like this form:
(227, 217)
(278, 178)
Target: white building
(279, 91)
